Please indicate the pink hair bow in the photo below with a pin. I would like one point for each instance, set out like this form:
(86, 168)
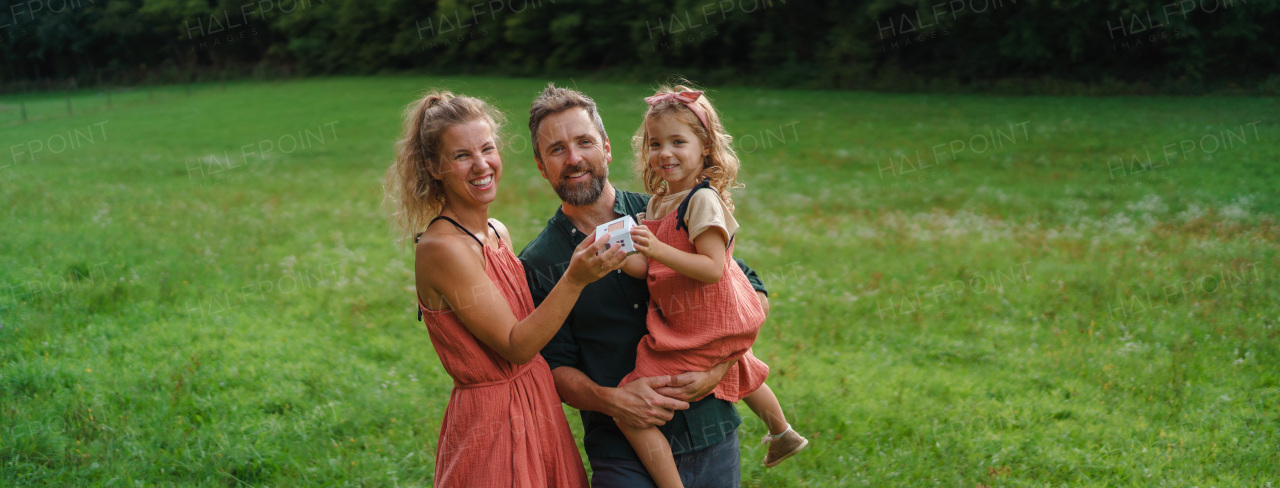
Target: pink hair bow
(685, 97)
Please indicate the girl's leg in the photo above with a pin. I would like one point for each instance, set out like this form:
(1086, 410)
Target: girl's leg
(655, 454)
(766, 406)
(783, 441)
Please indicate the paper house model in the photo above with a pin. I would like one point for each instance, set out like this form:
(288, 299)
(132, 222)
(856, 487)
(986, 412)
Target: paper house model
(619, 232)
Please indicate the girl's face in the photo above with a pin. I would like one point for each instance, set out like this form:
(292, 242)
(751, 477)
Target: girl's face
(675, 153)
(470, 167)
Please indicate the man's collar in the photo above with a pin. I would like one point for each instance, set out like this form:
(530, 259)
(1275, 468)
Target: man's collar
(618, 207)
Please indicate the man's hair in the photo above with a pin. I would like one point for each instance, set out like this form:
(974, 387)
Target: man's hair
(554, 100)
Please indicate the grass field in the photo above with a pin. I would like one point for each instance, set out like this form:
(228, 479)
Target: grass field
(203, 289)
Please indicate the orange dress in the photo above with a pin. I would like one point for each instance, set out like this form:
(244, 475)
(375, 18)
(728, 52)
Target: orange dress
(504, 425)
(694, 325)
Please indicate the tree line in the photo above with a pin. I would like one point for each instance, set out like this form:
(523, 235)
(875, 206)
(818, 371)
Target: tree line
(1070, 46)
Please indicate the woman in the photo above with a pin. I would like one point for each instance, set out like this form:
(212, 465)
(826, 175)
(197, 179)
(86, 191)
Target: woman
(504, 425)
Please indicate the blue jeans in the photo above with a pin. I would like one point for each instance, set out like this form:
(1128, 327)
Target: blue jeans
(714, 467)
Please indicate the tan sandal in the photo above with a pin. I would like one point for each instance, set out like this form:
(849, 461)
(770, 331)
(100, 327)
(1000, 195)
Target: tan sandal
(783, 446)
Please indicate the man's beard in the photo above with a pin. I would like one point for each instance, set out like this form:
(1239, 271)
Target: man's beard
(585, 193)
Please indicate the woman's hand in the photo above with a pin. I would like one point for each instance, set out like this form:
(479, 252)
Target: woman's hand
(644, 241)
(592, 260)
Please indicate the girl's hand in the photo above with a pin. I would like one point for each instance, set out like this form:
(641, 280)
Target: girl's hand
(593, 259)
(644, 241)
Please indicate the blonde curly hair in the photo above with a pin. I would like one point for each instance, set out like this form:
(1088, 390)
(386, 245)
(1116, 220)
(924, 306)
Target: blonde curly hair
(720, 166)
(413, 194)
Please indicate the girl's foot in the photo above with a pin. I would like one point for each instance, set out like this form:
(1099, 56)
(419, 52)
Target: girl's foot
(783, 446)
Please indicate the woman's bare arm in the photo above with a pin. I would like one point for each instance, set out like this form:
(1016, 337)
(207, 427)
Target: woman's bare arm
(451, 268)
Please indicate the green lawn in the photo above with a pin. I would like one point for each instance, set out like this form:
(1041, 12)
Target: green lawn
(204, 290)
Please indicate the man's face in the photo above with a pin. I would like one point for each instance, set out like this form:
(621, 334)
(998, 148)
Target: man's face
(574, 158)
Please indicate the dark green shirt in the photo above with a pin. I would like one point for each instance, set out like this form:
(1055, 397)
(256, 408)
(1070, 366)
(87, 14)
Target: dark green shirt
(601, 334)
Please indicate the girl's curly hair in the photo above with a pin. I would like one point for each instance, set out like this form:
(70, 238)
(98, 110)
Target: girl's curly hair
(720, 166)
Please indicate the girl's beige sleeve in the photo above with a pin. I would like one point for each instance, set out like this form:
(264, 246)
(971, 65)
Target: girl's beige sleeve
(708, 211)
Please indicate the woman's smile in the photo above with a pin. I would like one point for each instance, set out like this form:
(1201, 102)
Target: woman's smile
(472, 166)
(484, 182)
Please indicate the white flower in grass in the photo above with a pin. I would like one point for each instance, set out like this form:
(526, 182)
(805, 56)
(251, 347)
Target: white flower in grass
(1235, 211)
(1192, 213)
(1150, 204)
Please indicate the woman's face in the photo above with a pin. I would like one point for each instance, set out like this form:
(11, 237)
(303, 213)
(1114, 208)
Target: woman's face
(675, 153)
(469, 164)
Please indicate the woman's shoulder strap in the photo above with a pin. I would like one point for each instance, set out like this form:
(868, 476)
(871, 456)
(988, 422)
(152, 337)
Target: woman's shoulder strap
(495, 230)
(460, 227)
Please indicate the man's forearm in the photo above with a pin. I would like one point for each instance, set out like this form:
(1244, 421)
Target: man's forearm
(577, 390)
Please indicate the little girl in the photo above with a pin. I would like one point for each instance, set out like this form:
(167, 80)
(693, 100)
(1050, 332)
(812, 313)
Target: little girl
(704, 310)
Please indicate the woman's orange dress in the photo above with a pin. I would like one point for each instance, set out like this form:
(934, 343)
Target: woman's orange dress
(694, 325)
(504, 425)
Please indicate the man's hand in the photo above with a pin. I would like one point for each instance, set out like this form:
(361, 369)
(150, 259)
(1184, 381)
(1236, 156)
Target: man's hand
(764, 302)
(695, 384)
(638, 406)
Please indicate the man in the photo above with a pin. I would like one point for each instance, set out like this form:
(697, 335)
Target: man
(596, 347)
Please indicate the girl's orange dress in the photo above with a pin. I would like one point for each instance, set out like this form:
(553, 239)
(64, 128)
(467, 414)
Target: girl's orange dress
(694, 325)
(504, 425)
